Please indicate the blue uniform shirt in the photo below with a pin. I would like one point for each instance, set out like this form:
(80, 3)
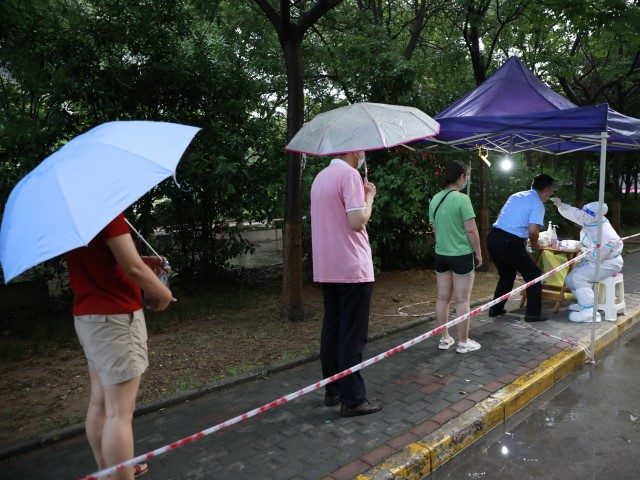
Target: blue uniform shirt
(519, 211)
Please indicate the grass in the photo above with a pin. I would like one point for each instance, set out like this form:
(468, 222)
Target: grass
(305, 350)
(202, 301)
(36, 331)
(57, 423)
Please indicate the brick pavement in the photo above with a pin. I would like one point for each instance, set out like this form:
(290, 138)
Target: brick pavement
(421, 389)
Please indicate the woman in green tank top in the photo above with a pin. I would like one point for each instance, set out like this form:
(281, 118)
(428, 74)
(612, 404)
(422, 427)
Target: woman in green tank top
(458, 253)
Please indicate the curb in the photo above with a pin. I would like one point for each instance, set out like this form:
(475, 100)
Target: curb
(420, 458)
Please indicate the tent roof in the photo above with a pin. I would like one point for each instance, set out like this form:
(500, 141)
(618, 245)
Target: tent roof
(513, 110)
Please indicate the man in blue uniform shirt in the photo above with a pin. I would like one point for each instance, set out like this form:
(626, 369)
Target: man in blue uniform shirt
(520, 218)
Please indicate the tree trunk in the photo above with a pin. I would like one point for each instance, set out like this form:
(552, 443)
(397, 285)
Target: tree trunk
(290, 35)
(480, 74)
(615, 192)
(292, 310)
(483, 228)
(579, 200)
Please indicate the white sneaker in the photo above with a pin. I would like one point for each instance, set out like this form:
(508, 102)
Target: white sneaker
(446, 343)
(468, 346)
(575, 307)
(584, 316)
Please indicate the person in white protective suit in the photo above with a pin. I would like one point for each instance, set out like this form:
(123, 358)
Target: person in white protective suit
(581, 279)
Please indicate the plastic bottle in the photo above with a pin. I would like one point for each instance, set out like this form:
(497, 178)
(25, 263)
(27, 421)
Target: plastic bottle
(554, 237)
(545, 237)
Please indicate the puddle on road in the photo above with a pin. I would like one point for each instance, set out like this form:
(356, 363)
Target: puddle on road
(511, 448)
(626, 414)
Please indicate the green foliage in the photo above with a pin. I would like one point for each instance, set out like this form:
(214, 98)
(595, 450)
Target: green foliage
(399, 226)
(71, 65)
(68, 65)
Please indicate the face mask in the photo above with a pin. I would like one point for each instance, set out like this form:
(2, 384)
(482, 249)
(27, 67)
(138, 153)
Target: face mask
(360, 161)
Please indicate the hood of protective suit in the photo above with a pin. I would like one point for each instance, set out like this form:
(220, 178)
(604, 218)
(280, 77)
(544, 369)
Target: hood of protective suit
(611, 244)
(591, 211)
(587, 217)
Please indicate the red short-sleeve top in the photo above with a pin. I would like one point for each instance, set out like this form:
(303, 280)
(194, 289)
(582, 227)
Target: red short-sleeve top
(99, 284)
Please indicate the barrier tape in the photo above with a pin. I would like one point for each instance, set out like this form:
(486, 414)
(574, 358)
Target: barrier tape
(403, 314)
(546, 334)
(630, 236)
(316, 386)
(427, 302)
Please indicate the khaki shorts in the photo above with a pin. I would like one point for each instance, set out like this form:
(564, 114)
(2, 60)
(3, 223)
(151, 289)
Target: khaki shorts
(115, 345)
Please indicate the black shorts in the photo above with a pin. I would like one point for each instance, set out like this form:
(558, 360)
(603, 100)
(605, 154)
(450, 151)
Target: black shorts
(459, 264)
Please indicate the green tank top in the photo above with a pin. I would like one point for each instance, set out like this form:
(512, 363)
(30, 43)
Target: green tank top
(451, 237)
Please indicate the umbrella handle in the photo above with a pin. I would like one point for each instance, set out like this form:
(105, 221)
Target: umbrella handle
(142, 238)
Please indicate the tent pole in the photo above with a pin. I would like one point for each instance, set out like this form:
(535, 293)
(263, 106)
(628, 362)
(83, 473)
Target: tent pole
(603, 163)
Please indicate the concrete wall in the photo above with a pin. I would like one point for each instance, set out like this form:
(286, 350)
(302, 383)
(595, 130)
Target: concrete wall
(268, 249)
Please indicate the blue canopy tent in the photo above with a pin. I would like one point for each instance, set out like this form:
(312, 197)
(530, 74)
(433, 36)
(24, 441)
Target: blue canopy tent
(514, 111)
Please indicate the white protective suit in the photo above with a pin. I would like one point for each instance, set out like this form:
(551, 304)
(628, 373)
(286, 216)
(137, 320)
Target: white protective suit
(581, 279)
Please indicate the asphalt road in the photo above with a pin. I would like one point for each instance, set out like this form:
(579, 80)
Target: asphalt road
(586, 427)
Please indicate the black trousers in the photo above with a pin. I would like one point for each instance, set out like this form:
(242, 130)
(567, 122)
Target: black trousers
(344, 336)
(509, 255)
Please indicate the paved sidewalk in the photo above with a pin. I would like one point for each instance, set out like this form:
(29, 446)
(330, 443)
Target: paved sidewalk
(424, 392)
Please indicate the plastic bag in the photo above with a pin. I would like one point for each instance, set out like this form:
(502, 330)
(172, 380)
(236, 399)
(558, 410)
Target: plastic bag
(150, 302)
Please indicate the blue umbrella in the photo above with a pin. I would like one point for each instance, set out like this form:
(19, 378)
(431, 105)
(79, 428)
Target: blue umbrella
(75, 192)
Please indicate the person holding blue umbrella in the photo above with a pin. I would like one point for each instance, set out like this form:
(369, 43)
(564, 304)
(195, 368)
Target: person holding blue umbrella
(72, 204)
(106, 277)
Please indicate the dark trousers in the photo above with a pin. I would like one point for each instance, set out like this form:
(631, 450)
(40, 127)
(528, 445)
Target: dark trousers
(509, 255)
(344, 335)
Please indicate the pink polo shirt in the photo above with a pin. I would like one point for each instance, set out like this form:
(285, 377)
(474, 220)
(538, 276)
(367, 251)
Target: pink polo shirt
(340, 255)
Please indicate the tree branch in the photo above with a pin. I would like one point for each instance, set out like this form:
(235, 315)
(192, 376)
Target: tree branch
(336, 77)
(312, 15)
(564, 83)
(271, 14)
(503, 23)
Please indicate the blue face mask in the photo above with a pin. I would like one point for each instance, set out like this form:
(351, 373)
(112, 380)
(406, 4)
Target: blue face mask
(360, 161)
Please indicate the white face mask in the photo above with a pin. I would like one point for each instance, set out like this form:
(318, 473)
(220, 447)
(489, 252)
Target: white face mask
(360, 161)
(464, 185)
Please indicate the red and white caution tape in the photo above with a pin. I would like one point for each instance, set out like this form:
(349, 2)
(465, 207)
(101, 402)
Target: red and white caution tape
(630, 236)
(303, 391)
(573, 343)
(403, 314)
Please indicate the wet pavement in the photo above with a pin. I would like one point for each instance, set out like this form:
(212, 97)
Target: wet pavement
(422, 389)
(586, 427)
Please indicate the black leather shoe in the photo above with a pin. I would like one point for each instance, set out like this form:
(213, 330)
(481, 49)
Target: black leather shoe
(331, 400)
(534, 318)
(365, 408)
(493, 313)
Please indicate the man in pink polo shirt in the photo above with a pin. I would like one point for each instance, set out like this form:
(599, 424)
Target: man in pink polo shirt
(340, 208)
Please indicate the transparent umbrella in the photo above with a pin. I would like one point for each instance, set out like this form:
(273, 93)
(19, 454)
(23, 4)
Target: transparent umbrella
(362, 126)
